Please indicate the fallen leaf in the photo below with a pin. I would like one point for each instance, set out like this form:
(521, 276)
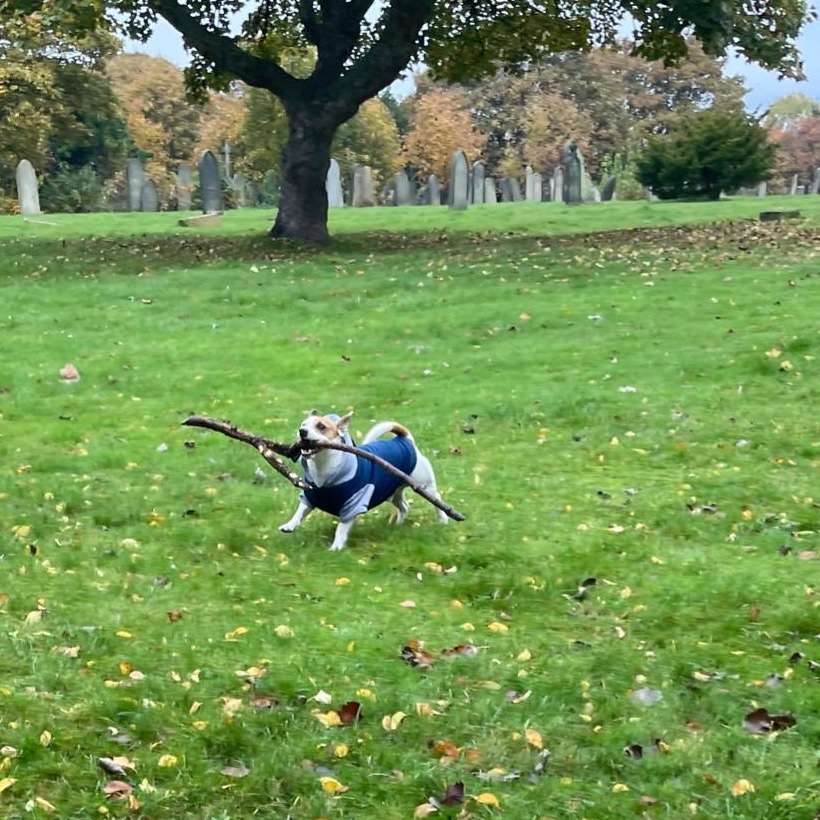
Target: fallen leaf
(444, 748)
(117, 789)
(533, 739)
(646, 696)
(111, 766)
(760, 722)
(496, 626)
(350, 712)
(7, 782)
(454, 795)
(487, 799)
(332, 786)
(167, 761)
(235, 771)
(742, 787)
(392, 722)
(425, 809)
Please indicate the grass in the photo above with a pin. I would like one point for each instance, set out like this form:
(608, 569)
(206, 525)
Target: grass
(586, 399)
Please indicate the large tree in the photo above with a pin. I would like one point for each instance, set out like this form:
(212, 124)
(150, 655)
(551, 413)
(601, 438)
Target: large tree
(363, 46)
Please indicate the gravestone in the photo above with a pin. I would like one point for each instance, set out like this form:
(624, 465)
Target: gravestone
(608, 194)
(134, 180)
(515, 190)
(333, 186)
(529, 185)
(458, 190)
(364, 195)
(150, 198)
(506, 189)
(537, 187)
(433, 190)
(793, 185)
(557, 185)
(490, 195)
(210, 184)
(573, 174)
(184, 187)
(403, 189)
(815, 182)
(761, 189)
(28, 194)
(478, 183)
(239, 185)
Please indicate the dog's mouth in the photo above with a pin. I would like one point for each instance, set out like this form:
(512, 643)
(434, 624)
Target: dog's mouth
(308, 451)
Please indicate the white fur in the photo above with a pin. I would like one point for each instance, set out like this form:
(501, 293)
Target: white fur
(322, 465)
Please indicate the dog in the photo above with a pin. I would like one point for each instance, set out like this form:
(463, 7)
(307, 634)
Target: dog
(346, 485)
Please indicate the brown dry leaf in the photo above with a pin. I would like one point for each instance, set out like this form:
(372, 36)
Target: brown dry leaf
(350, 712)
(444, 749)
(465, 649)
(174, 615)
(415, 655)
(760, 722)
(742, 787)
(454, 795)
(117, 789)
(533, 739)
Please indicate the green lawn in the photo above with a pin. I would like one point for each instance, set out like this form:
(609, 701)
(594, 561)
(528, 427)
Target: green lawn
(625, 393)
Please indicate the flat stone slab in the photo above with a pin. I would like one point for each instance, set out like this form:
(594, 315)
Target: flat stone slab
(201, 221)
(776, 216)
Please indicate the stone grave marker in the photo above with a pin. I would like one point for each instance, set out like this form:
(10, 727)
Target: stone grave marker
(404, 193)
(506, 189)
(433, 190)
(815, 182)
(761, 189)
(529, 185)
(573, 174)
(490, 195)
(333, 186)
(28, 193)
(478, 183)
(210, 184)
(184, 187)
(364, 195)
(608, 194)
(150, 197)
(134, 180)
(557, 185)
(458, 190)
(515, 190)
(793, 185)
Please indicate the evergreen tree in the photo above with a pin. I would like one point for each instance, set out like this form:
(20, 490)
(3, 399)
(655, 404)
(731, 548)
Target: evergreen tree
(705, 154)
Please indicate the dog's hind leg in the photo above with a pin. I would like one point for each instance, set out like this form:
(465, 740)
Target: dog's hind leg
(400, 504)
(425, 476)
(340, 538)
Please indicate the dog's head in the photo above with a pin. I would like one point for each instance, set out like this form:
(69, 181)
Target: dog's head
(330, 428)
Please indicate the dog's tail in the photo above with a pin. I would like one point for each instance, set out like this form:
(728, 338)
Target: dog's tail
(385, 427)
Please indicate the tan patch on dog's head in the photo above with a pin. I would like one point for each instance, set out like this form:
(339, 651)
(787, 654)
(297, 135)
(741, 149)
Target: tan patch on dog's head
(324, 428)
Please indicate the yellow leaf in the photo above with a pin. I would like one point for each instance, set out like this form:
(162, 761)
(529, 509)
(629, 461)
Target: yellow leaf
(332, 786)
(231, 706)
(123, 634)
(392, 722)
(424, 810)
(365, 693)
(497, 626)
(167, 761)
(200, 725)
(488, 799)
(342, 582)
(328, 719)
(534, 738)
(233, 635)
(34, 617)
(45, 737)
(6, 782)
(620, 787)
(340, 750)
(524, 655)
(742, 787)
(784, 796)
(43, 804)
(283, 631)
(194, 708)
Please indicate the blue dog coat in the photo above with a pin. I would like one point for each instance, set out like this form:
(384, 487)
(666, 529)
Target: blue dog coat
(363, 484)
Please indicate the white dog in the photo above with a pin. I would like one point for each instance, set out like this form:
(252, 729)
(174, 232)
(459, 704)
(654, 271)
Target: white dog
(346, 485)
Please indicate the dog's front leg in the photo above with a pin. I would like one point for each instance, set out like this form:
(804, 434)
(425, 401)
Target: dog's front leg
(340, 538)
(302, 512)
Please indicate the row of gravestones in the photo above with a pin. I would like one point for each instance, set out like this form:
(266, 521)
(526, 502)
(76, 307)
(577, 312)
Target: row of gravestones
(470, 185)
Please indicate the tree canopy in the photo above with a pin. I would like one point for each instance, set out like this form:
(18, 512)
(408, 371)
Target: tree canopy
(361, 48)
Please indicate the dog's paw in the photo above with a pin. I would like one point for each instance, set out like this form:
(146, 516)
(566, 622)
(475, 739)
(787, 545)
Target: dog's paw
(287, 527)
(334, 547)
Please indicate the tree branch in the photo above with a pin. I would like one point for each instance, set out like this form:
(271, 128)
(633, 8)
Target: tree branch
(269, 450)
(387, 57)
(225, 53)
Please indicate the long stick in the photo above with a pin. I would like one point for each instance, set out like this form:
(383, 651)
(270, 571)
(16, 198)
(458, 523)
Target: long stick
(269, 450)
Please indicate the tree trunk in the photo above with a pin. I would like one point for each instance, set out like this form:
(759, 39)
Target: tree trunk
(302, 210)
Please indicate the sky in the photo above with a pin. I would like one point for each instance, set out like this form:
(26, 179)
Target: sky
(764, 86)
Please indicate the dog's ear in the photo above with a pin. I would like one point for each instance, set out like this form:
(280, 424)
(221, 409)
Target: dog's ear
(344, 422)
(313, 413)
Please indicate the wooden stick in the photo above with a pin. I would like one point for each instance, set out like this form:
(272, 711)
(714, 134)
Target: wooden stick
(269, 450)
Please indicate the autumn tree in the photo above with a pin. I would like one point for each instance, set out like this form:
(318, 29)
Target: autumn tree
(442, 123)
(799, 150)
(359, 53)
(705, 154)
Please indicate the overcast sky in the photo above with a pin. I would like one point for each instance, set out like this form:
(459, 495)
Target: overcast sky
(764, 87)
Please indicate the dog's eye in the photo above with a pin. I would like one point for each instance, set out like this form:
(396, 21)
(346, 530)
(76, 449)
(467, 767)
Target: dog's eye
(320, 427)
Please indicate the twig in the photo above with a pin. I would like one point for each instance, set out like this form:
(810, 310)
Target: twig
(269, 450)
